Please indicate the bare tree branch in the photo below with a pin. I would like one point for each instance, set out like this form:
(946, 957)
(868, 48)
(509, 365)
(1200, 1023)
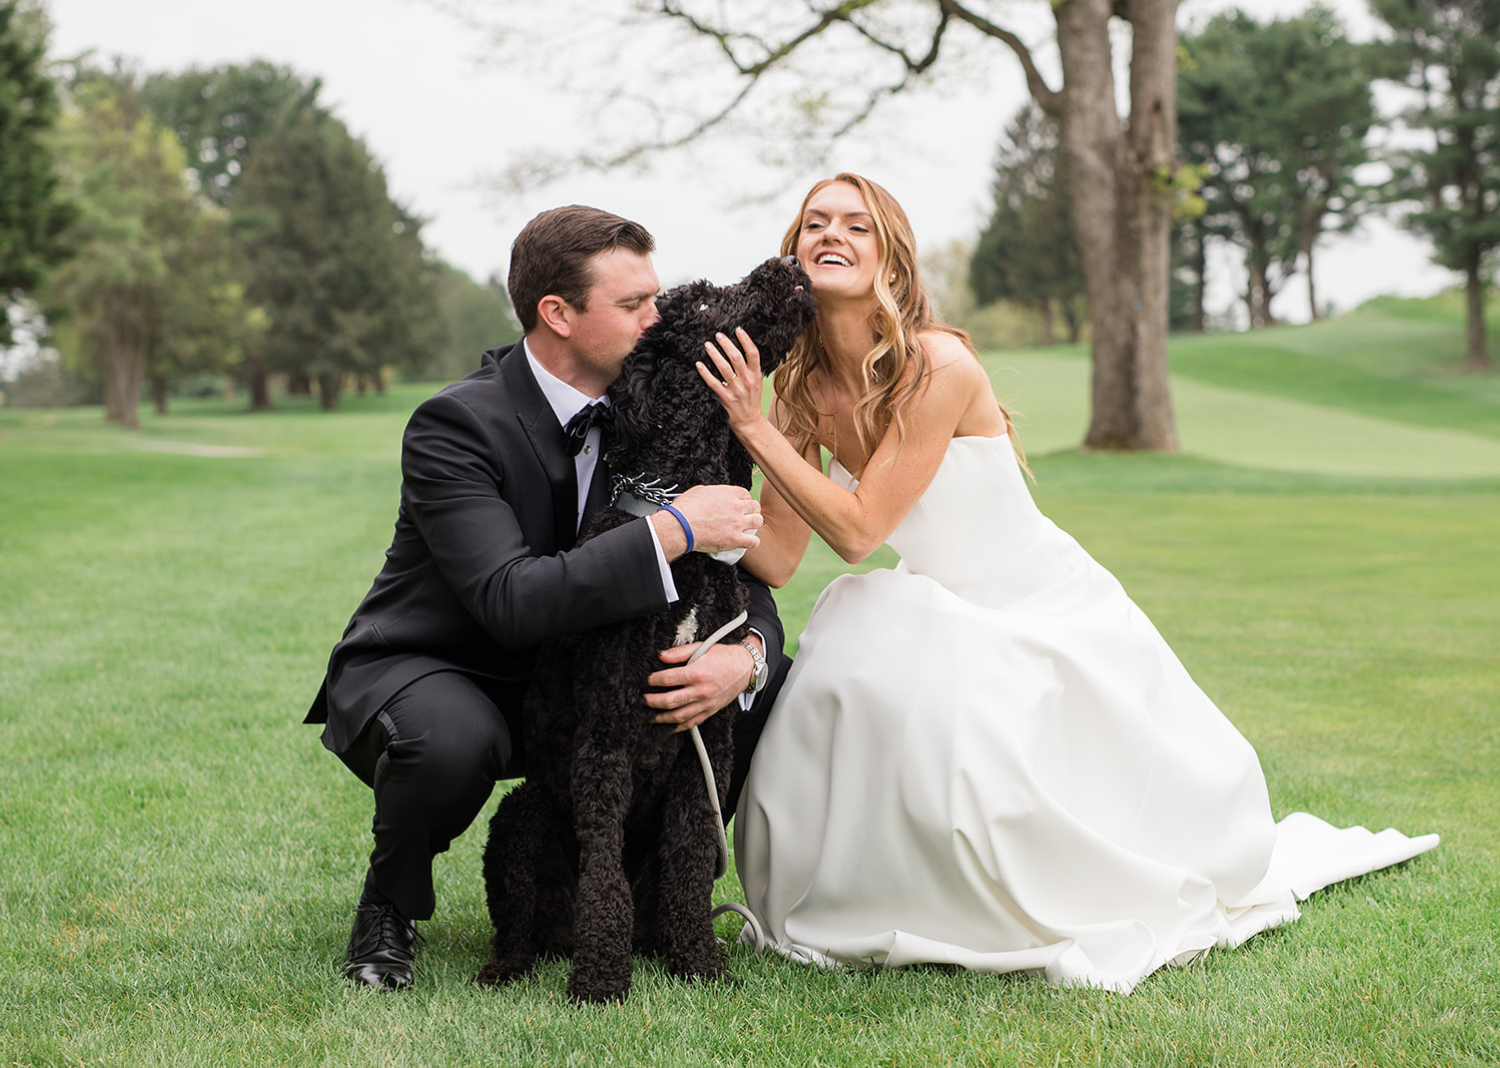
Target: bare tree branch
(757, 56)
(773, 54)
(1048, 99)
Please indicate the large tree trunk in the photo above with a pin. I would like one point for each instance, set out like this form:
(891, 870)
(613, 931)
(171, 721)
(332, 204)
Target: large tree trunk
(1072, 315)
(259, 383)
(329, 386)
(1258, 293)
(1200, 280)
(1477, 357)
(124, 368)
(1312, 289)
(1307, 236)
(1122, 211)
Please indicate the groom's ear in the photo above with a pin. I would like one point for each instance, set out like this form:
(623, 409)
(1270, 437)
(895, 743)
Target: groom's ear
(556, 314)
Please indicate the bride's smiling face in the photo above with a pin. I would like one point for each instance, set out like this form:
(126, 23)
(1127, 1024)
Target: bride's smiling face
(837, 245)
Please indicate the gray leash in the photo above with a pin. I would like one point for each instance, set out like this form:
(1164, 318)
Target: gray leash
(713, 799)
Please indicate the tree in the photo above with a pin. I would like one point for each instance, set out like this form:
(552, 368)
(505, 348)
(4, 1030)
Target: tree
(220, 115)
(1448, 51)
(1125, 176)
(136, 214)
(1276, 114)
(34, 214)
(1026, 253)
(474, 317)
(205, 323)
(338, 267)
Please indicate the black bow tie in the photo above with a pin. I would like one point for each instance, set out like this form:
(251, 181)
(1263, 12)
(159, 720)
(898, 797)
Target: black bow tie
(588, 417)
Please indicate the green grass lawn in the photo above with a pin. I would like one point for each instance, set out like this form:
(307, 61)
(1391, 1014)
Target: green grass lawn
(181, 856)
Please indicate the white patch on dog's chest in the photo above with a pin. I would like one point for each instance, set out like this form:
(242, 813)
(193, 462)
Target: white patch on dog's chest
(687, 630)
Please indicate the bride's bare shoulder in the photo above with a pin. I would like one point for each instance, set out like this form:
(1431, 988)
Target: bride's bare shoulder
(948, 356)
(942, 348)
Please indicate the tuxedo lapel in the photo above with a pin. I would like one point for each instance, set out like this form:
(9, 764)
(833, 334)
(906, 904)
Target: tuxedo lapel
(547, 440)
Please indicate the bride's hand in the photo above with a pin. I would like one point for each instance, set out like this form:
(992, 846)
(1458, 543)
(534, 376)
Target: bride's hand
(738, 383)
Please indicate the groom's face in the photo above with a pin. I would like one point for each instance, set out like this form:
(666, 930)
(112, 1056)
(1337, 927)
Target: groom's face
(621, 306)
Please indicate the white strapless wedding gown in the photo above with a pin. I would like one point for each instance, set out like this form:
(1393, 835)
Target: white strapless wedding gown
(989, 757)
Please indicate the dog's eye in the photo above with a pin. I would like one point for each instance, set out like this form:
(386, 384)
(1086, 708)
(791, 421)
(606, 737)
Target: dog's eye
(703, 307)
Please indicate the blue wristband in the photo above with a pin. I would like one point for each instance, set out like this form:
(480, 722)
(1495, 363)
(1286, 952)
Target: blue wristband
(685, 528)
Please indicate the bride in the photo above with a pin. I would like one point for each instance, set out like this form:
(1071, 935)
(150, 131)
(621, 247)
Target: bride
(987, 756)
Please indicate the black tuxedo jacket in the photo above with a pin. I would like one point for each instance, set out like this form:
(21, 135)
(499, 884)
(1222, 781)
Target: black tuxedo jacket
(483, 568)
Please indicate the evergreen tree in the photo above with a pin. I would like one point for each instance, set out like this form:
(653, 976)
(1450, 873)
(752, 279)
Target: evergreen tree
(221, 113)
(338, 267)
(1276, 115)
(34, 214)
(1449, 52)
(1026, 253)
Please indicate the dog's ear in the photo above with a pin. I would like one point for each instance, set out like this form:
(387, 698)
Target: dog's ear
(634, 401)
(632, 420)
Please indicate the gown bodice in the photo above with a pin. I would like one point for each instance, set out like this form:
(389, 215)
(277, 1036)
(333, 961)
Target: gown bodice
(976, 530)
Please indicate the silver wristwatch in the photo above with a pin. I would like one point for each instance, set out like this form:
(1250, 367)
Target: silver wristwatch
(762, 672)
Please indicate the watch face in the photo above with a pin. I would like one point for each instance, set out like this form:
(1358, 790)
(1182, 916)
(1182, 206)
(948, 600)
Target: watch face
(761, 671)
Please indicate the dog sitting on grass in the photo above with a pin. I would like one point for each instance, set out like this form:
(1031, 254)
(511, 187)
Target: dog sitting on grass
(611, 845)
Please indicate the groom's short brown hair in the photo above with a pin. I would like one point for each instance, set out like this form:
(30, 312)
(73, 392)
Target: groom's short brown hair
(550, 256)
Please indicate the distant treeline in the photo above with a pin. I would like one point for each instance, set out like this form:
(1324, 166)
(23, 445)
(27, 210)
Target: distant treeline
(217, 227)
(1283, 144)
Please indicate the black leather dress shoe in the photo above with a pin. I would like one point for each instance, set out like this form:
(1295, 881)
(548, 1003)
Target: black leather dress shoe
(382, 947)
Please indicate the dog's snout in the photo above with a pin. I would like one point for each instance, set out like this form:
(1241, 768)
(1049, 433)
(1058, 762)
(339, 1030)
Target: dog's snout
(790, 261)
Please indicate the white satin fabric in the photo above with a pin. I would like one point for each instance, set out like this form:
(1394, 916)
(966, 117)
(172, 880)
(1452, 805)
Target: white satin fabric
(989, 757)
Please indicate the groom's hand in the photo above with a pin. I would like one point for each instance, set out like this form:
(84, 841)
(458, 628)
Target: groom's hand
(693, 692)
(721, 517)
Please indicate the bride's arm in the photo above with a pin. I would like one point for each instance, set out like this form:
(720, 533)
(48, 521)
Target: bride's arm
(783, 533)
(855, 523)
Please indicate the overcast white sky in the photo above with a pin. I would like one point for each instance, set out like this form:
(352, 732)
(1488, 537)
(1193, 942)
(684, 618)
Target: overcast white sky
(411, 81)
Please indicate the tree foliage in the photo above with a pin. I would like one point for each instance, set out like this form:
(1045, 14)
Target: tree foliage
(221, 114)
(122, 299)
(338, 267)
(1449, 52)
(34, 214)
(474, 317)
(1026, 253)
(1277, 116)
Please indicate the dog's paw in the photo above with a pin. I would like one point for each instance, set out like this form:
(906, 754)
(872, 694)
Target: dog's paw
(709, 969)
(594, 991)
(500, 972)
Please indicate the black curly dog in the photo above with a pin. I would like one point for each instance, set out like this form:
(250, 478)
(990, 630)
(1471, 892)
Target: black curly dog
(610, 844)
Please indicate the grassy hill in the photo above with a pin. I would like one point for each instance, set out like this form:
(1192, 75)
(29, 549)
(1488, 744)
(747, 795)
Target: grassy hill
(1374, 393)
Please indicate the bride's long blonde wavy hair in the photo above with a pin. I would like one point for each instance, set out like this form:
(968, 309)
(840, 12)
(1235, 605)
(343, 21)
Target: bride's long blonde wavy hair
(895, 369)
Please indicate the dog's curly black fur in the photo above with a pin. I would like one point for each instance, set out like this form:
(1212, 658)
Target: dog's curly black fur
(610, 845)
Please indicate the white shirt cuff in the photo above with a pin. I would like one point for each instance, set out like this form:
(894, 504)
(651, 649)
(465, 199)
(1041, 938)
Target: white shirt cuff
(667, 585)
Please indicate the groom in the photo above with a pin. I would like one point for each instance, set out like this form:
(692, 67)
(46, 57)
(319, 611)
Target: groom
(423, 694)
